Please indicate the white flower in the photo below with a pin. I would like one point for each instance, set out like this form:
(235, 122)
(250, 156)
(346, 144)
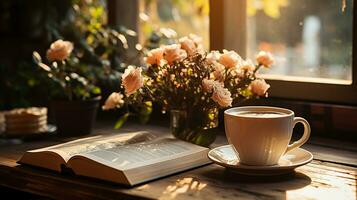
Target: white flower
(132, 80)
(213, 57)
(115, 100)
(59, 50)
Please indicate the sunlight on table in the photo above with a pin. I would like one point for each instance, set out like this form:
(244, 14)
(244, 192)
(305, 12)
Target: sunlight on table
(182, 186)
(331, 184)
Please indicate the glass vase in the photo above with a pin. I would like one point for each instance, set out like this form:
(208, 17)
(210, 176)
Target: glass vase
(197, 126)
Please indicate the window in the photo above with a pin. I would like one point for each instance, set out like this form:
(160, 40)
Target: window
(322, 70)
(308, 38)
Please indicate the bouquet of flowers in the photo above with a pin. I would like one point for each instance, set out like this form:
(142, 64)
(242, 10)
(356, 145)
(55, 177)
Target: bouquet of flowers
(192, 84)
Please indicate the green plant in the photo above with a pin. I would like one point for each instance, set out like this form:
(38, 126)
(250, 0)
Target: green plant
(101, 49)
(99, 46)
(73, 79)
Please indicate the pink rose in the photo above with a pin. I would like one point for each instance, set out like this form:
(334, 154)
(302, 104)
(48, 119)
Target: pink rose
(115, 100)
(188, 45)
(213, 57)
(208, 84)
(222, 96)
(155, 56)
(265, 58)
(259, 87)
(192, 44)
(59, 50)
(229, 59)
(219, 72)
(174, 53)
(132, 80)
(198, 42)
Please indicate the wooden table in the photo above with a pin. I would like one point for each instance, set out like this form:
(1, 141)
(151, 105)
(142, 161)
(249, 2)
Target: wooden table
(331, 175)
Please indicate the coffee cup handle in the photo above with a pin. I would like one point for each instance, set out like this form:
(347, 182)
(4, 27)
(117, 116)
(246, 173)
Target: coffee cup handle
(304, 137)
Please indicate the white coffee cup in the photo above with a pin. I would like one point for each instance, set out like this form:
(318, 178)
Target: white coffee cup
(260, 135)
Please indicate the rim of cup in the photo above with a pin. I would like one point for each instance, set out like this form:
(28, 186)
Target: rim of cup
(285, 112)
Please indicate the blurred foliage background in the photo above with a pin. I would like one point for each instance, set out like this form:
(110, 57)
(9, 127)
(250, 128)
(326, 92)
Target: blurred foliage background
(157, 17)
(26, 26)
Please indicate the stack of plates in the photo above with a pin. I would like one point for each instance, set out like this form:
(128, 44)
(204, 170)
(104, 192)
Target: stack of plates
(26, 120)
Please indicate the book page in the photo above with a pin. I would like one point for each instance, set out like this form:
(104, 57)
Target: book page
(100, 142)
(139, 154)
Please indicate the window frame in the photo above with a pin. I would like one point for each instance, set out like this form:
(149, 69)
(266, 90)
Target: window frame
(224, 35)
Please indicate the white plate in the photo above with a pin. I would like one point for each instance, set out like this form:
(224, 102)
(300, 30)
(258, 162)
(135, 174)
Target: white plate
(226, 157)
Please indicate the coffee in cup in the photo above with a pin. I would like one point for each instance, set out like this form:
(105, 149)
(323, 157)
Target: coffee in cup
(260, 135)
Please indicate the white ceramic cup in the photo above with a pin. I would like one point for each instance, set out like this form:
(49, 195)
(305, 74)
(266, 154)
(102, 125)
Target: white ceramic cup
(262, 140)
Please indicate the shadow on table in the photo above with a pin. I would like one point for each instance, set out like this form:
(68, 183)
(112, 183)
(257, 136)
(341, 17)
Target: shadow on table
(233, 177)
(257, 186)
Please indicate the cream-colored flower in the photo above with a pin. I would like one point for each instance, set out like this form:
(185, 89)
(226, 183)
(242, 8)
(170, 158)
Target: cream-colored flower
(174, 53)
(196, 39)
(259, 87)
(132, 80)
(115, 100)
(192, 44)
(188, 45)
(155, 56)
(213, 57)
(229, 59)
(221, 95)
(168, 32)
(209, 84)
(59, 50)
(265, 58)
(219, 72)
(237, 72)
(247, 66)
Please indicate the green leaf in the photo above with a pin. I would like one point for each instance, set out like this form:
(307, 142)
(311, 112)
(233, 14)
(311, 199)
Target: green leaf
(121, 121)
(145, 112)
(31, 82)
(96, 90)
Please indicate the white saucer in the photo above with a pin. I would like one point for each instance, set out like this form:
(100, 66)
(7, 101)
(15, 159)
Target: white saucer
(226, 157)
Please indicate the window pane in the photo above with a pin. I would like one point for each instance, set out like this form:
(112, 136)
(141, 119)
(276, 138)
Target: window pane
(309, 38)
(184, 17)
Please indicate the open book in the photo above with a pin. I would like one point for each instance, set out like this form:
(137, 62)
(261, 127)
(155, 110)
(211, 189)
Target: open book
(129, 158)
